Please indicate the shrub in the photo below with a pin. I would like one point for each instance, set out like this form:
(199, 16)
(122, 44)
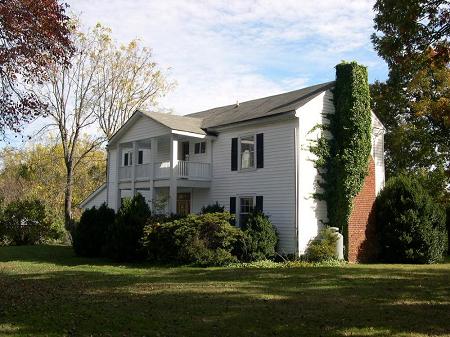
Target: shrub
(123, 239)
(410, 224)
(90, 233)
(260, 238)
(213, 208)
(206, 239)
(25, 222)
(323, 247)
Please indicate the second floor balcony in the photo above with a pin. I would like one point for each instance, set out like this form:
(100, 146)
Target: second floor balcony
(150, 159)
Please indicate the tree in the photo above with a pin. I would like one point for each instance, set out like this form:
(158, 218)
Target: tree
(33, 35)
(414, 103)
(128, 79)
(410, 223)
(37, 171)
(95, 87)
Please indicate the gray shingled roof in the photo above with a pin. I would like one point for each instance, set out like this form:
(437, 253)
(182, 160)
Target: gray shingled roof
(176, 122)
(199, 122)
(258, 108)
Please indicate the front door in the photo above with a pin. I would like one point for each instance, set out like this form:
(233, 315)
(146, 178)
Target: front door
(183, 203)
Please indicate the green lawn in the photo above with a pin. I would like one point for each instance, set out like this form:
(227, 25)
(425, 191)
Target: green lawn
(47, 291)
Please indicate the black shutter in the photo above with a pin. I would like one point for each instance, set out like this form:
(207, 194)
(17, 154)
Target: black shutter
(234, 154)
(259, 203)
(125, 159)
(233, 205)
(140, 157)
(260, 150)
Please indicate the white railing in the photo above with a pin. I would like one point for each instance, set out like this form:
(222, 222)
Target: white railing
(193, 170)
(126, 172)
(143, 171)
(162, 170)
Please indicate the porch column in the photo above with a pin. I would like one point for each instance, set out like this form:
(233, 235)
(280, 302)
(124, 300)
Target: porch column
(153, 150)
(133, 169)
(118, 167)
(173, 174)
(209, 150)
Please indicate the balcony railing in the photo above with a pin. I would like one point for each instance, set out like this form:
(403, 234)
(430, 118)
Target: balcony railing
(193, 170)
(126, 172)
(184, 170)
(162, 170)
(143, 171)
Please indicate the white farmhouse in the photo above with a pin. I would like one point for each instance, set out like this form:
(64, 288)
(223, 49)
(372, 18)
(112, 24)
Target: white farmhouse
(249, 155)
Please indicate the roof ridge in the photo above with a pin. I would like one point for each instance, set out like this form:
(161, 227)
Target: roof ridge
(324, 84)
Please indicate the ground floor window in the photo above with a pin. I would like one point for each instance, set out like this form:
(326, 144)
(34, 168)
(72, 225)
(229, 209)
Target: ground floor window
(246, 206)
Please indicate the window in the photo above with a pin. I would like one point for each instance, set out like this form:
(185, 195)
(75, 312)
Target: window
(246, 206)
(247, 152)
(128, 158)
(200, 148)
(140, 157)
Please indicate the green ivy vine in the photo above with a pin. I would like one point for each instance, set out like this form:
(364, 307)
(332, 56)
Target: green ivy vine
(343, 159)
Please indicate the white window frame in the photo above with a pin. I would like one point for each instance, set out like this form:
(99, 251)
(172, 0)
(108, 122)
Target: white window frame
(130, 158)
(239, 152)
(200, 148)
(238, 208)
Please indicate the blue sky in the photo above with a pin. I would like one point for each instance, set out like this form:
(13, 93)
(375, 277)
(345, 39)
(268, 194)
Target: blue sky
(222, 51)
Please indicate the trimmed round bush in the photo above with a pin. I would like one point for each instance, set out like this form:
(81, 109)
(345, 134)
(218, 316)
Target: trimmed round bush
(89, 233)
(205, 240)
(123, 239)
(323, 247)
(410, 224)
(260, 238)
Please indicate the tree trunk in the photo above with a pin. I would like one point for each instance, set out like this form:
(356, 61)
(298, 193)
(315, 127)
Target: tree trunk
(68, 196)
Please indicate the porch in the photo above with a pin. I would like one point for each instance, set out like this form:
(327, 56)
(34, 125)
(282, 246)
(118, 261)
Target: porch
(169, 161)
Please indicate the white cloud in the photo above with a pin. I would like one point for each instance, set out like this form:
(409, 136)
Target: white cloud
(220, 51)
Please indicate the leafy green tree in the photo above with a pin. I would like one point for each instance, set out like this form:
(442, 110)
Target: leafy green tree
(412, 36)
(26, 222)
(37, 172)
(410, 224)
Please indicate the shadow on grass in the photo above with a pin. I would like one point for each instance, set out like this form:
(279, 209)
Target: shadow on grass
(357, 300)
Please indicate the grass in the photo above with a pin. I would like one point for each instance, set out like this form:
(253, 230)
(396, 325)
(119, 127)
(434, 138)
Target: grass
(47, 291)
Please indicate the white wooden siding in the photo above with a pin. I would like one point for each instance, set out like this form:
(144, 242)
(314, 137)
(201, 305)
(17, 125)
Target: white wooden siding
(200, 197)
(275, 182)
(311, 212)
(143, 128)
(199, 157)
(97, 200)
(163, 153)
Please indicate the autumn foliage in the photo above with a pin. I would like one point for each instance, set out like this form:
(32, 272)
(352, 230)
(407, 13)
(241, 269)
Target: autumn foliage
(33, 35)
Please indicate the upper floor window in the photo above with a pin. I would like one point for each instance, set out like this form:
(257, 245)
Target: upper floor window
(247, 151)
(140, 157)
(200, 148)
(128, 158)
